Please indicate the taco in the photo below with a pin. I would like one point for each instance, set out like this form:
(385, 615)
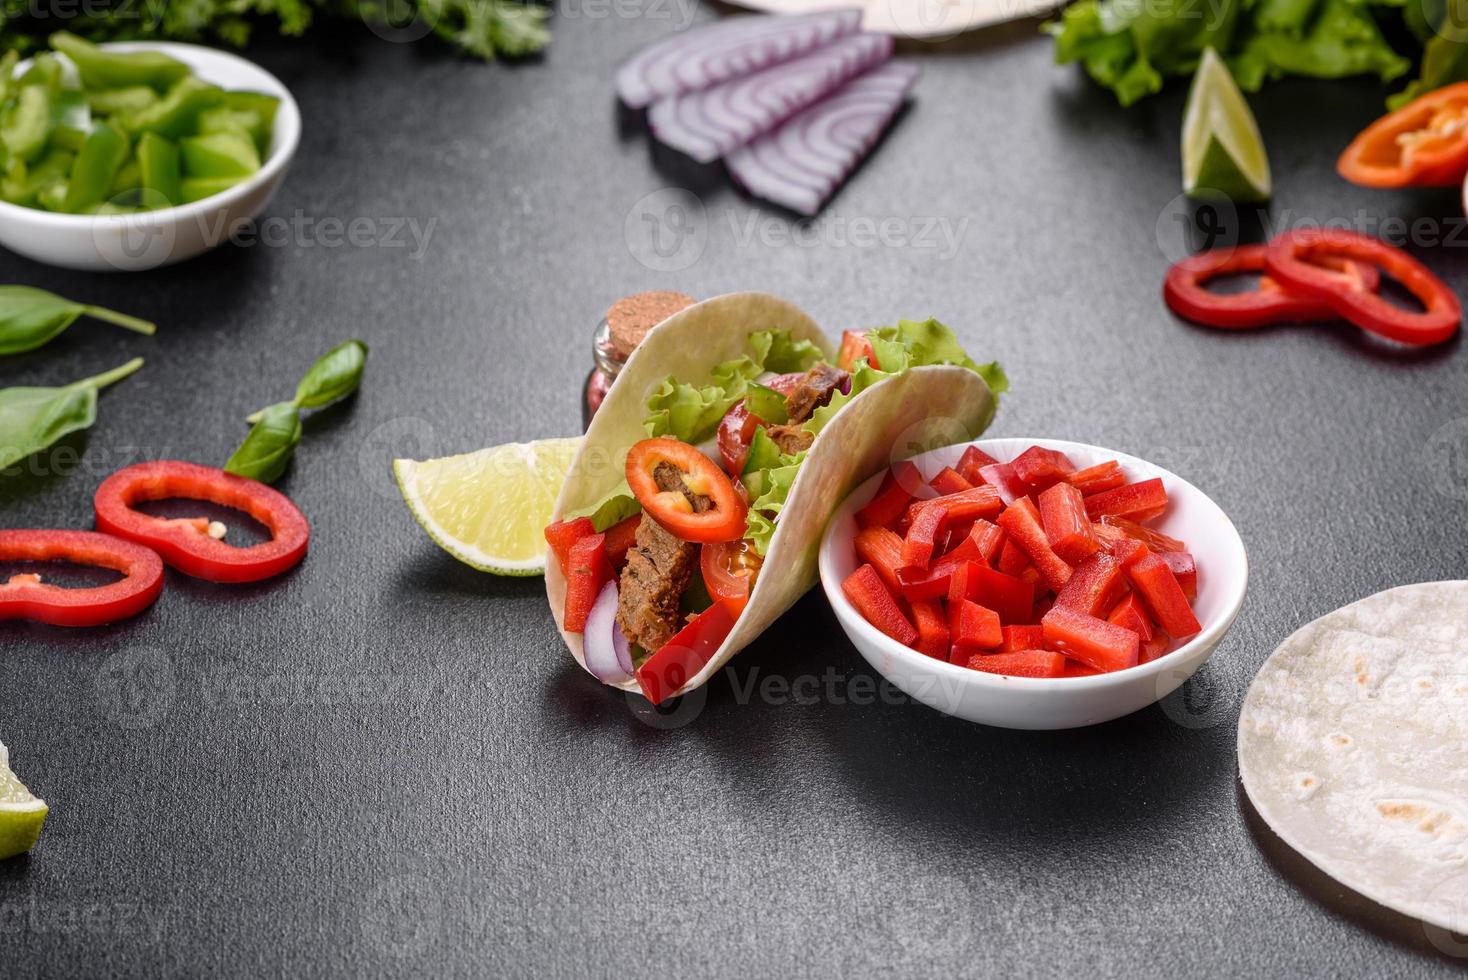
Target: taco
(690, 519)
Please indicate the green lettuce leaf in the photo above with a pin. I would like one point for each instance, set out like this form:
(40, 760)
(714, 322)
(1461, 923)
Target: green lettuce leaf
(612, 509)
(1445, 53)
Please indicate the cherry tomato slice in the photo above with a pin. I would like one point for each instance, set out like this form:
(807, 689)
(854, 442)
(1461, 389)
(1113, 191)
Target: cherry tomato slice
(186, 544)
(729, 571)
(736, 431)
(1293, 259)
(1186, 294)
(27, 597)
(854, 347)
(1422, 144)
(658, 470)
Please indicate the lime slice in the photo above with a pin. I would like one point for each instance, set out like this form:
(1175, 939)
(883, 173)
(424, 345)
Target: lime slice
(1222, 149)
(489, 509)
(21, 814)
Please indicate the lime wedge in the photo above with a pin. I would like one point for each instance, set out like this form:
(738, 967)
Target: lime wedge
(21, 814)
(489, 509)
(1222, 150)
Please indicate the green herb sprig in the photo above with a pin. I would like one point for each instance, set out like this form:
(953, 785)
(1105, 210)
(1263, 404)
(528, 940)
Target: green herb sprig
(31, 419)
(31, 318)
(276, 430)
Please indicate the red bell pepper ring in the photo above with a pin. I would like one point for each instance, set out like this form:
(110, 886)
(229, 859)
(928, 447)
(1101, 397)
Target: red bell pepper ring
(723, 520)
(27, 597)
(680, 659)
(186, 544)
(1186, 294)
(1422, 144)
(1293, 260)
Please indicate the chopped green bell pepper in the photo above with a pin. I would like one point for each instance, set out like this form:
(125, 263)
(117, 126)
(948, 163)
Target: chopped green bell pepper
(96, 167)
(23, 184)
(125, 101)
(263, 106)
(198, 188)
(44, 71)
(158, 169)
(176, 114)
(100, 68)
(228, 154)
(28, 123)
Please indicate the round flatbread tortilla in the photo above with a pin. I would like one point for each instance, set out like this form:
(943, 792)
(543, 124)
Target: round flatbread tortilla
(1353, 747)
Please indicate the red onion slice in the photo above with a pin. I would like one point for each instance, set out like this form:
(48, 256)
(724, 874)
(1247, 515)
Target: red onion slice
(608, 657)
(709, 123)
(706, 56)
(801, 164)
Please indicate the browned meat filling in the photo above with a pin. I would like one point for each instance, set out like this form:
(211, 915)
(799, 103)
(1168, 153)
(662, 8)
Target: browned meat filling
(813, 391)
(658, 568)
(668, 477)
(790, 438)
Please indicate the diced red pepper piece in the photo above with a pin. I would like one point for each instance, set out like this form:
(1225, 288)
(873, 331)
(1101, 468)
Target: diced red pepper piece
(1095, 642)
(1185, 569)
(1153, 539)
(1023, 638)
(870, 597)
(1153, 648)
(1012, 598)
(972, 504)
(1074, 668)
(1139, 501)
(1130, 614)
(561, 535)
(919, 583)
(981, 544)
(922, 537)
(587, 570)
(976, 626)
(949, 481)
(1001, 477)
(882, 549)
(1163, 596)
(973, 460)
(1011, 561)
(1096, 585)
(1022, 521)
(620, 539)
(1121, 546)
(1039, 468)
(1094, 479)
(1020, 663)
(897, 488)
(680, 659)
(1063, 515)
(932, 628)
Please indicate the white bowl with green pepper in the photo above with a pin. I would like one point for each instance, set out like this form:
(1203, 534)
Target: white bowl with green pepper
(133, 155)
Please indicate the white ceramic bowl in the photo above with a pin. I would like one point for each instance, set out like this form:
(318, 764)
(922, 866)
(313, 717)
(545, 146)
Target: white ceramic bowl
(1050, 703)
(133, 242)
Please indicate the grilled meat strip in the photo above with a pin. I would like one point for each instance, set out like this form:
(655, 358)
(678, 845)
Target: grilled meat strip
(658, 568)
(813, 391)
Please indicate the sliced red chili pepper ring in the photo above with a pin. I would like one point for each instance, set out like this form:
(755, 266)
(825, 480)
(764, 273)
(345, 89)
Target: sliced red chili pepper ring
(667, 477)
(27, 597)
(1293, 257)
(187, 544)
(1186, 294)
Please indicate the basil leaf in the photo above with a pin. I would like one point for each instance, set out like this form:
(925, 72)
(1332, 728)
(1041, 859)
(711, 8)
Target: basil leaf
(267, 450)
(31, 318)
(334, 376)
(766, 404)
(33, 418)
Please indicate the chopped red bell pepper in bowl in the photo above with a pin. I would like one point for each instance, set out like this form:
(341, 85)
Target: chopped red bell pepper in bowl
(1049, 585)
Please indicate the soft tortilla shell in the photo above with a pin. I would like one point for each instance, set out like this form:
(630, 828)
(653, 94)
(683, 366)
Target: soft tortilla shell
(889, 421)
(1353, 747)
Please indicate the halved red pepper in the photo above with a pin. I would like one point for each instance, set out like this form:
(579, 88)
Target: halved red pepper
(680, 659)
(882, 549)
(1038, 467)
(1422, 144)
(1063, 515)
(1095, 642)
(187, 544)
(870, 597)
(1138, 501)
(1022, 521)
(587, 570)
(561, 535)
(1293, 259)
(724, 520)
(25, 596)
(1186, 292)
(898, 487)
(1096, 585)
(1020, 663)
(1164, 597)
(1094, 479)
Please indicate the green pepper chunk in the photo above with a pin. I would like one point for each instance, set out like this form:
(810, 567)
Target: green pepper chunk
(28, 123)
(176, 114)
(263, 106)
(96, 167)
(198, 188)
(100, 68)
(23, 184)
(129, 177)
(8, 82)
(219, 155)
(45, 71)
(124, 101)
(158, 169)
